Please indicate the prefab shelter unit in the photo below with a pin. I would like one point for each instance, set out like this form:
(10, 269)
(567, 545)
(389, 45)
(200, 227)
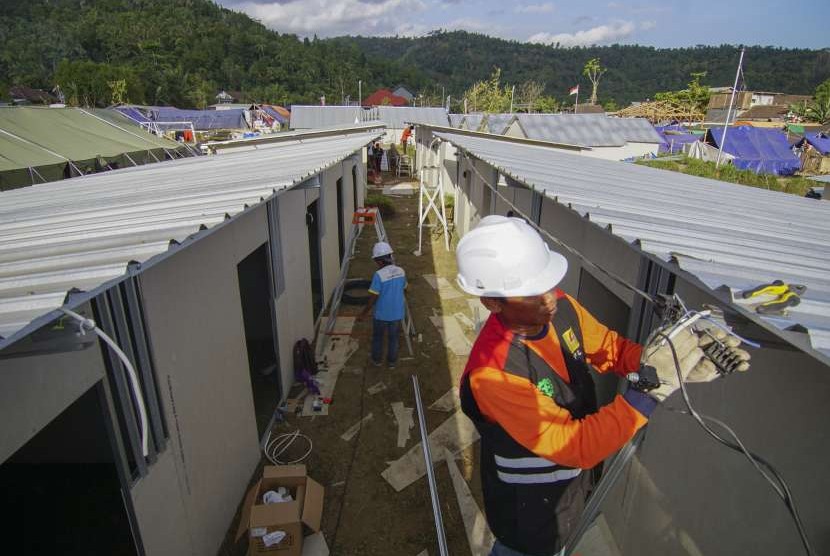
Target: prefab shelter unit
(763, 151)
(47, 144)
(395, 118)
(205, 272)
(665, 233)
(609, 138)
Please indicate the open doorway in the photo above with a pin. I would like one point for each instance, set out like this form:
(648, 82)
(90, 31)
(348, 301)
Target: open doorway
(355, 202)
(254, 294)
(313, 228)
(64, 488)
(341, 240)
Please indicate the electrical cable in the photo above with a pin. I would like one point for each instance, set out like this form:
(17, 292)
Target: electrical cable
(351, 463)
(778, 484)
(278, 445)
(89, 325)
(559, 242)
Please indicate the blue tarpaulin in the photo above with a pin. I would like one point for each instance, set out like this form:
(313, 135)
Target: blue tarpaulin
(819, 141)
(675, 141)
(763, 151)
(233, 118)
(133, 113)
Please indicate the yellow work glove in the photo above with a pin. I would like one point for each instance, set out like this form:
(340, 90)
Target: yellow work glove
(731, 354)
(658, 354)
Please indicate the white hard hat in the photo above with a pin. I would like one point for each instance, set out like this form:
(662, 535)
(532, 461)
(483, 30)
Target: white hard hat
(381, 249)
(505, 257)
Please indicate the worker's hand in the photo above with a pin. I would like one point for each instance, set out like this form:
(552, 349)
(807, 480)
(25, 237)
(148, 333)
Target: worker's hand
(730, 355)
(658, 354)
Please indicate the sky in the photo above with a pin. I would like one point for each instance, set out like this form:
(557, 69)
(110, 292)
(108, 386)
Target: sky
(667, 23)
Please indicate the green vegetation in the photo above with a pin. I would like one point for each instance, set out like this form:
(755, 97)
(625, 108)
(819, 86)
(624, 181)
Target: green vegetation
(594, 72)
(694, 98)
(819, 109)
(457, 59)
(384, 204)
(182, 52)
(795, 185)
(177, 52)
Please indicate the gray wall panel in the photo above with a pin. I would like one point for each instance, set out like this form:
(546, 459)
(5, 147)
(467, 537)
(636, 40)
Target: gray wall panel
(294, 310)
(194, 320)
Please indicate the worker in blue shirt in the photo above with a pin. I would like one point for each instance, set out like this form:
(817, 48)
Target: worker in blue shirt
(386, 297)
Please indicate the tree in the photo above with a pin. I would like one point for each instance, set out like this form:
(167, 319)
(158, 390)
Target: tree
(822, 93)
(593, 71)
(548, 105)
(819, 111)
(488, 95)
(529, 94)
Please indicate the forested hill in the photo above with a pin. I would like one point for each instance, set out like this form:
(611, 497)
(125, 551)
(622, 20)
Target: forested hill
(182, 52)
(456, 59)
(178, 52)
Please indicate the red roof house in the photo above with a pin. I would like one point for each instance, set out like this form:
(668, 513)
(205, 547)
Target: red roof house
(384, 97)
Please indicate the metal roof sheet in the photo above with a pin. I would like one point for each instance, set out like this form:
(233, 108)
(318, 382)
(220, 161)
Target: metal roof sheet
(83, 232)
(313, 117)
(397, 117)
(591, 130)
(722, 233)
(455, 119)
(497, 123)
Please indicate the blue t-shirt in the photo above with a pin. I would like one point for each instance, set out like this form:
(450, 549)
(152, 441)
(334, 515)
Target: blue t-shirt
(388, 284)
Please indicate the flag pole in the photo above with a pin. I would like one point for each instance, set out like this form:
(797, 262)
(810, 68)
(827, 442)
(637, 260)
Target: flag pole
(729, 111)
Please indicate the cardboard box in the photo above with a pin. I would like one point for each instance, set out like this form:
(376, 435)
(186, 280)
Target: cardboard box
(264, 522)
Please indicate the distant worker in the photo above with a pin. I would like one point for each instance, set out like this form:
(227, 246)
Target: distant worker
(386, 297)
(407, 133)
(528, 389)
(378, 156)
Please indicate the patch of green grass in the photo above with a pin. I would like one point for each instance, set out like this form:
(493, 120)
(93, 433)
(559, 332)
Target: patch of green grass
(384, 204)
(795, 185)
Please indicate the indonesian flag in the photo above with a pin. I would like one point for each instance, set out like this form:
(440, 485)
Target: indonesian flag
(573, 91)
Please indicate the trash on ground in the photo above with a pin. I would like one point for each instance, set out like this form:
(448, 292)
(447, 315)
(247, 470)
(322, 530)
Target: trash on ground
(352, 431)
(479, 536)
(375, 388)
(450, 401)
(452, 335)
(403, 416)
(454, 434)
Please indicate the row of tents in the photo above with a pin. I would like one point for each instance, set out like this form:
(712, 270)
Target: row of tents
(41, 144)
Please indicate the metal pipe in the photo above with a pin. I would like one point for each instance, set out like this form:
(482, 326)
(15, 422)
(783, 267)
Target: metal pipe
(729, 111)
(433, 489)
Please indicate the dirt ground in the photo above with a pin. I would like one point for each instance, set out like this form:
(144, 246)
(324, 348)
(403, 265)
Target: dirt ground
(363, 515)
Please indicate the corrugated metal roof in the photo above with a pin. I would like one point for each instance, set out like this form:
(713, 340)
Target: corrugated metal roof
(722, 233)
(472, 122)
(82, 233)
(396, 117)
(314, 117)
(497, 123)
(591, 130)
(825, 179)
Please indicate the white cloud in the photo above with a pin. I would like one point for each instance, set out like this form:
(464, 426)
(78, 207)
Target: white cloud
(545, 8)
(601, 34)
(333, 17)
(646, 25)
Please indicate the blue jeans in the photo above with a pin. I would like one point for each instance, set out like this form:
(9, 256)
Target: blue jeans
(379, 327)
(501, 550)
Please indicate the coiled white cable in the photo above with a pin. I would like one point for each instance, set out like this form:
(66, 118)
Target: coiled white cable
(278, 445)
(89, 325)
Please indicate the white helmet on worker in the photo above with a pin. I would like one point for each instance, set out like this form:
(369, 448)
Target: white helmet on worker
(381, 249)
(505, 257)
